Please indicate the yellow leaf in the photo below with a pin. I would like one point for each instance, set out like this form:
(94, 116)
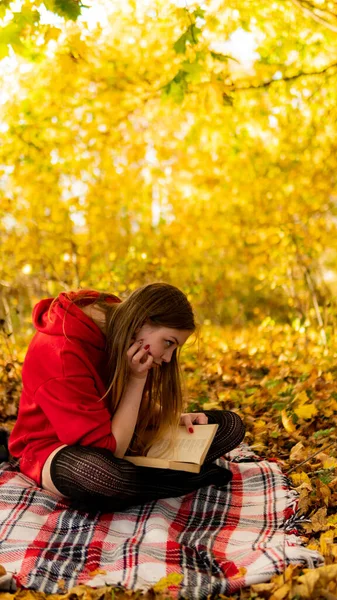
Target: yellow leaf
(259, 588)
(298, 452)
(302, 397)
(326, 540)
(287, 423)
(211, 406)
(304, 500)
(259, 424)
(61, 584)
(306, 585)
(318, 520)
(314, 545)
(52, 33)
(313, 580)
(330, 463)
(306, 411)
(281, 593)
(333, 405)
(298, 478)
(165, 582)
(323, 492)
(332, 520)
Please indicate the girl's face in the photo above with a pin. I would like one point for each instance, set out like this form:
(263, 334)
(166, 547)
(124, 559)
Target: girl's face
(162, 341)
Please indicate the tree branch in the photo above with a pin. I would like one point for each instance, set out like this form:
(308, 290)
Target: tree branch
(310, 13)
(285, 78)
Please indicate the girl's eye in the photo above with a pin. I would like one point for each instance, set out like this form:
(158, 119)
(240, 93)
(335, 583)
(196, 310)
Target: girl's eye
(169, 342)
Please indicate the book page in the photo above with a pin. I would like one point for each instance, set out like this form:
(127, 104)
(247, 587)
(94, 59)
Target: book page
(189, 446)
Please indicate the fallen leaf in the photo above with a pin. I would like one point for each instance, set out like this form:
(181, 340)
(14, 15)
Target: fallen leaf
(330, 463)
(281, 593)
(306, 411)
(298, 478)
(305, 585)
(287, 422)
(260, 588)
(61, 584)
(326, 540)
(304, 499)
(210, 406)
(302, 397)
(313, 580)
(299, 453)
(24, 594)
(259, 424)
(319, 521)
(323, 492)
(165, 582)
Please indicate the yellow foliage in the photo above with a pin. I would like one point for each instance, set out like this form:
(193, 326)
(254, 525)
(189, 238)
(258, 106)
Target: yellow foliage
(330, 462)
(302, 397)
(281, 593)
(306, 411)
(287, 423)
(171, 579)
(298, 478)
(211, 405)
(260, 424)
(309, 584)
(326, 540)
(298, 453)
(318, 520)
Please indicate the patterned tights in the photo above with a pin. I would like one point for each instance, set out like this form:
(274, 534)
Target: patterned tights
(94, 479)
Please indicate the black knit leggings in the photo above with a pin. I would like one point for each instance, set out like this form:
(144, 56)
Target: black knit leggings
(94, 479)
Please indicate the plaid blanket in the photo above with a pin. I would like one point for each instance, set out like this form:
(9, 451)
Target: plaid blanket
(209, 541)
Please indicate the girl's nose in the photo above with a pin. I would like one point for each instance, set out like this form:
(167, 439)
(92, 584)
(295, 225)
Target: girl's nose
(167, 356)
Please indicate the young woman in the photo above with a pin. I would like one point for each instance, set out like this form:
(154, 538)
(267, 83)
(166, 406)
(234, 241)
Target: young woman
(101, 377)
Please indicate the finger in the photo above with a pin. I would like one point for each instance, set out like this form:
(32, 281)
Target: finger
(146, 364)
(134, 348)
(202, 419)
(189, 424)
(143, 357)
(139, 355)
(143, 350)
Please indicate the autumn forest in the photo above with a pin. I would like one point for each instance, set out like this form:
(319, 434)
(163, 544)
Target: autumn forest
(192, 143)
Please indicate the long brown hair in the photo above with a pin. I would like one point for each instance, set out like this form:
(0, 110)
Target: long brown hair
(160, 305)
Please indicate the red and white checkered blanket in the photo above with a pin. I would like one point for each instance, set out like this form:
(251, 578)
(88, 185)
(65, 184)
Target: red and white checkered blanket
(217, 541)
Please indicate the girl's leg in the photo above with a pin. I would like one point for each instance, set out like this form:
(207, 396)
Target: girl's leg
(95, 479)
(229, 435)
(46, 482)
(4, 453)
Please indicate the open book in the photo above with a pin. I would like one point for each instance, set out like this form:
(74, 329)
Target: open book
(188, 454)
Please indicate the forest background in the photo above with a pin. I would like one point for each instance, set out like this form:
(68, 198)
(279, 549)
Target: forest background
(193, 143)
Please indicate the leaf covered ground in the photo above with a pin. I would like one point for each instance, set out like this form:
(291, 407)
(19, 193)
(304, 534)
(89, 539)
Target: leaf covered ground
(284, 385)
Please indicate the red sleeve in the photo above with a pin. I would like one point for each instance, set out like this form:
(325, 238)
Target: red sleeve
(75, 411)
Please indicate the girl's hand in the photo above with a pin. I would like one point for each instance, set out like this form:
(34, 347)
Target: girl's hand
(139, 360)
(188, 419)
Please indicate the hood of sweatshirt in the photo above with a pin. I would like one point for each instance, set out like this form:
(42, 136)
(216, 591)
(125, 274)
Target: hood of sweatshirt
(60, 316)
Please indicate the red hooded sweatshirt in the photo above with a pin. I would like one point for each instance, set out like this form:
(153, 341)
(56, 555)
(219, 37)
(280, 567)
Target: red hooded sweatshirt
(64, 376)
